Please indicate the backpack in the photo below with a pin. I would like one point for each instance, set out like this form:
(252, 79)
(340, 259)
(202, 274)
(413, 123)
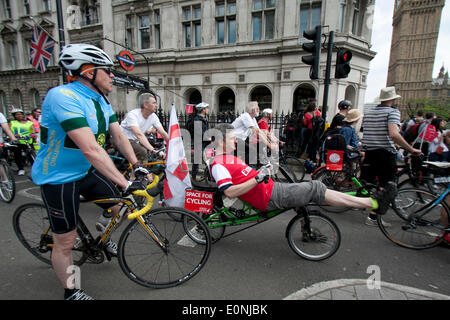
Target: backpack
(335, 141)
(318, 126)
(411, 133)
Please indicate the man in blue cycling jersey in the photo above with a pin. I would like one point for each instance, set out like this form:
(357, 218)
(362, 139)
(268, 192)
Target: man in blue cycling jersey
(71, 160)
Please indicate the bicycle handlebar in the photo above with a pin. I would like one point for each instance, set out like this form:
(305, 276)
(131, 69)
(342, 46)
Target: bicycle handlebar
(143, 193)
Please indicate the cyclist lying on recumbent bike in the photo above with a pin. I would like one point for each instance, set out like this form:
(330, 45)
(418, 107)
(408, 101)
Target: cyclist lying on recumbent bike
(237, 180)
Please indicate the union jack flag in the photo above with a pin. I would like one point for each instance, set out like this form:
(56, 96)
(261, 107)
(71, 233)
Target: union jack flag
(41, 49)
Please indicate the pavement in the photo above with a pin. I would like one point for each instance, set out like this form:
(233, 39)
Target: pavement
(363, 289)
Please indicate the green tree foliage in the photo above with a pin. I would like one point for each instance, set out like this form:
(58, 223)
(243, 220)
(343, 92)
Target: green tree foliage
(440, 107)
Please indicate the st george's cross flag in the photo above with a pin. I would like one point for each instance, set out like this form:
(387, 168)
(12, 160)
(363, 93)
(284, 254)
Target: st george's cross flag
(177, 171)
(41, 49)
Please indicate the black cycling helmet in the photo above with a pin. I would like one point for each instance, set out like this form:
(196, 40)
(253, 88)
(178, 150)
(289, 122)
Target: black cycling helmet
(344, 105)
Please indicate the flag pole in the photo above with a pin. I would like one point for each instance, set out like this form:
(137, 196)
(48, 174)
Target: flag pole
(42, 28)
(62, 41)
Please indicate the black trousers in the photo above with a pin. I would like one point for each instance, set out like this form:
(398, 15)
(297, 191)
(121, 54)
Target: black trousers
(380, 166)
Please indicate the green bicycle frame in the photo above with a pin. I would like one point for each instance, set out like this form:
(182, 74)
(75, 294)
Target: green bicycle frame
(249, 216)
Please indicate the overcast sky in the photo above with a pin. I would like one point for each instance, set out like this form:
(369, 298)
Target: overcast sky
(381, 43)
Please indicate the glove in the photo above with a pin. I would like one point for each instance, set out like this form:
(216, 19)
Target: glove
(15, 142)
(158, 154)
(264, 172)
(132, 186)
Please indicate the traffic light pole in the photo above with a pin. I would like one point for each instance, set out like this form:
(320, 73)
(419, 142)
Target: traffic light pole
(328, 75)
(62, 41)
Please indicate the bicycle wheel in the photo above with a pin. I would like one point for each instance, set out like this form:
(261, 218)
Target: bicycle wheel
(8, 187)
(150, 264)
(405, 229)
(31, 155)
(31, 225)
(318, 242)
(334, 180)
(216, 232)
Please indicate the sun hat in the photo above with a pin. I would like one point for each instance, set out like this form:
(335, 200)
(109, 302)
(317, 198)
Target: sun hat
(387, 94)
(353, 115)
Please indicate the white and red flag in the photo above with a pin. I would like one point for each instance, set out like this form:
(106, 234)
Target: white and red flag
(41, 49)
(177, 171)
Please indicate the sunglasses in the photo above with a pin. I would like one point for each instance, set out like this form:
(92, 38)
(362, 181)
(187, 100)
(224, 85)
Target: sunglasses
(107, 70)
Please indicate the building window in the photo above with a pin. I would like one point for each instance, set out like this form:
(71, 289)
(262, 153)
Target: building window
(35, 98)
(12, 55)
(149, 30)
(310, 12)
(46, 5)
(7, 8)
(356, 13)
(129, 38)
(26, 7)
(226, 21)
(263, 19)
(192, 26)
(17, 98)
(342, 7)
(89, 12)
(157, 28)
(144, 31)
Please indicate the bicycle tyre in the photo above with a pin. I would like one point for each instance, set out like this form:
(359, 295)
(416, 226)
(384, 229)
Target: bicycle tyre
(147, 264)
(216, 233)
(323, 241)
(7, 191)
(398, 226)
(328, 178)
(31, 223)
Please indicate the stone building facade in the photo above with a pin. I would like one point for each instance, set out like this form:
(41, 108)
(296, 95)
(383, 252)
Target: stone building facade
(415, 33)
(224, 52)
(440, 86)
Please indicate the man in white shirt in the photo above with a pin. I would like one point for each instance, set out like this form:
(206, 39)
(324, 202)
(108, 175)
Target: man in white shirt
(4, 127)
(246, 127)
(140, 120)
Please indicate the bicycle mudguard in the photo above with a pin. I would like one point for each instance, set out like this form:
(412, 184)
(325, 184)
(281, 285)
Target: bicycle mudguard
(315, 171)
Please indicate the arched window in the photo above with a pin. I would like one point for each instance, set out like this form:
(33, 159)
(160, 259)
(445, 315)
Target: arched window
(302, 95)
(226, 100)
(194, 96)
(17, 98)
(350, 94)
(263, 96)
(35, 98)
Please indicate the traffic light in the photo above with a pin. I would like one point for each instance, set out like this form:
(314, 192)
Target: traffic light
(313, 47)
(343, 68)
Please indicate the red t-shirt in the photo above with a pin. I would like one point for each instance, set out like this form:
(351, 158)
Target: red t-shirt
(263, 125)
(228, 170)
(307, 119)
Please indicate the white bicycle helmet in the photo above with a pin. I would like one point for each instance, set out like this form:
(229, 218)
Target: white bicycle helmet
(201, 106)
(73, 56)
(15, 110)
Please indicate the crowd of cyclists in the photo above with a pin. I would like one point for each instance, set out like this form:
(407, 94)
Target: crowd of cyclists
(77, 119)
